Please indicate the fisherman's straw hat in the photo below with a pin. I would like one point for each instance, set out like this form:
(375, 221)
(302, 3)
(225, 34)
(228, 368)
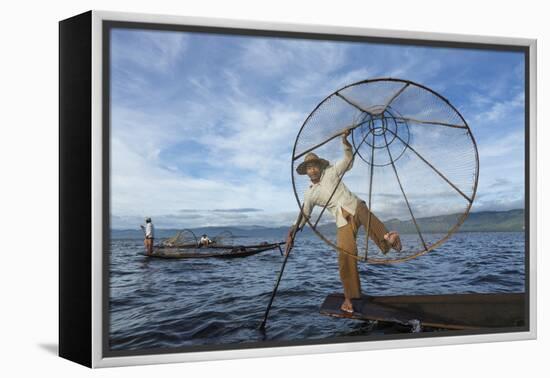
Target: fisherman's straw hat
(311, 158)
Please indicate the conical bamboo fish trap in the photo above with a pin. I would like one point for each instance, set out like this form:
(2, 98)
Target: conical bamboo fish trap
(415, 164)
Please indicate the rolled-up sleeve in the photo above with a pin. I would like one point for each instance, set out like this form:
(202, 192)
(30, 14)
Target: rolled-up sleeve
(346, 163)
(306, 210)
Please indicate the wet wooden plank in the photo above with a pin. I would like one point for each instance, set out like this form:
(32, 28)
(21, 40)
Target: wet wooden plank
(365, 309)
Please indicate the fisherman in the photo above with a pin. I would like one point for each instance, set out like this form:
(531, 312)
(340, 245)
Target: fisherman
(350, 212)
(205, 241)
(149, 232)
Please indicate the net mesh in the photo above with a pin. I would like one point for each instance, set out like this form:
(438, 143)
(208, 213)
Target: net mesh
(224, 237)
(181, 239)
(415, 163)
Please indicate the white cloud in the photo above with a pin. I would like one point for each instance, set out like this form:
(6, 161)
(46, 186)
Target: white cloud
(148, 50)
(140, 185)
(319, 85)
(413, 64)
(501, 110)
(258, 136)
(269, 57)
(246, 136)
(509, 146)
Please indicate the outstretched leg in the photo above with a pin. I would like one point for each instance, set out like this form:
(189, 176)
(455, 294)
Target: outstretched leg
(376, 228)
(377, 231)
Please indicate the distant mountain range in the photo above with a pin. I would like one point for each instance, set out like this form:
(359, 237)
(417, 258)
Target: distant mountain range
(483, 221)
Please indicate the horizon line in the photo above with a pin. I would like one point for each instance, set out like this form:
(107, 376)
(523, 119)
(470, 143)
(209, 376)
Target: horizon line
(259, 226)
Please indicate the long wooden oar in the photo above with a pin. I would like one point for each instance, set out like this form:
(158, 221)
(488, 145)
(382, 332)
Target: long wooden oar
(288, 248)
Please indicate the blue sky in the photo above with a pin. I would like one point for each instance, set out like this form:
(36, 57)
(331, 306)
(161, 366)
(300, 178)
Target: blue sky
(203, 125)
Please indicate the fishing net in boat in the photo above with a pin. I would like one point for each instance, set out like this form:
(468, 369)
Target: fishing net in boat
(224, 237)
(415, 164)
(181, 239)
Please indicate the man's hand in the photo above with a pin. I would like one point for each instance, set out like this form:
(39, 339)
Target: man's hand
(289, 240)
(345, 137)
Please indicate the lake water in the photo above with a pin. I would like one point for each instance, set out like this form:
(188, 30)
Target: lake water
(158, 303)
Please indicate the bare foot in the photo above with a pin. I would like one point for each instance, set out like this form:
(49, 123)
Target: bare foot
(395, 241)
(347, 306)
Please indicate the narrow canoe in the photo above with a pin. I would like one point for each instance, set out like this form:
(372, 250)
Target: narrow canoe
(453, 311)
(217, 251)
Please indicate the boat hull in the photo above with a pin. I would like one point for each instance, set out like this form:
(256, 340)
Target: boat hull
(453, 311)
(222, 252)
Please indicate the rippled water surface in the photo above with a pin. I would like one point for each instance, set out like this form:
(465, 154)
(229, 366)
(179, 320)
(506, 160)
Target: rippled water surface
(158, 303)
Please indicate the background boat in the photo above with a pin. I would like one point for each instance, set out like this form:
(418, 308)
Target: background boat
(220, 251)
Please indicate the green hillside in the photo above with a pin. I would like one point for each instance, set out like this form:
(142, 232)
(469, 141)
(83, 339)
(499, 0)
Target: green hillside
(485, 221)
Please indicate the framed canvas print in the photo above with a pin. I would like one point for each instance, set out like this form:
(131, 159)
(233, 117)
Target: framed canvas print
(232, 189)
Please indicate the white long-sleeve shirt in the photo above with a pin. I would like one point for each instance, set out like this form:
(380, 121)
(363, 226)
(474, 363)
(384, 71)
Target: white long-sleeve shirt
(318, 194)
(149, 230)
(205, 240)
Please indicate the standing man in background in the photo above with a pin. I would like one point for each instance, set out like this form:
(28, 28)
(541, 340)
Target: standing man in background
(149, 231)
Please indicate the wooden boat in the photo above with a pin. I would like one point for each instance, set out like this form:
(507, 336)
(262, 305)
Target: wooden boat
(454, 311)
(219, 251)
